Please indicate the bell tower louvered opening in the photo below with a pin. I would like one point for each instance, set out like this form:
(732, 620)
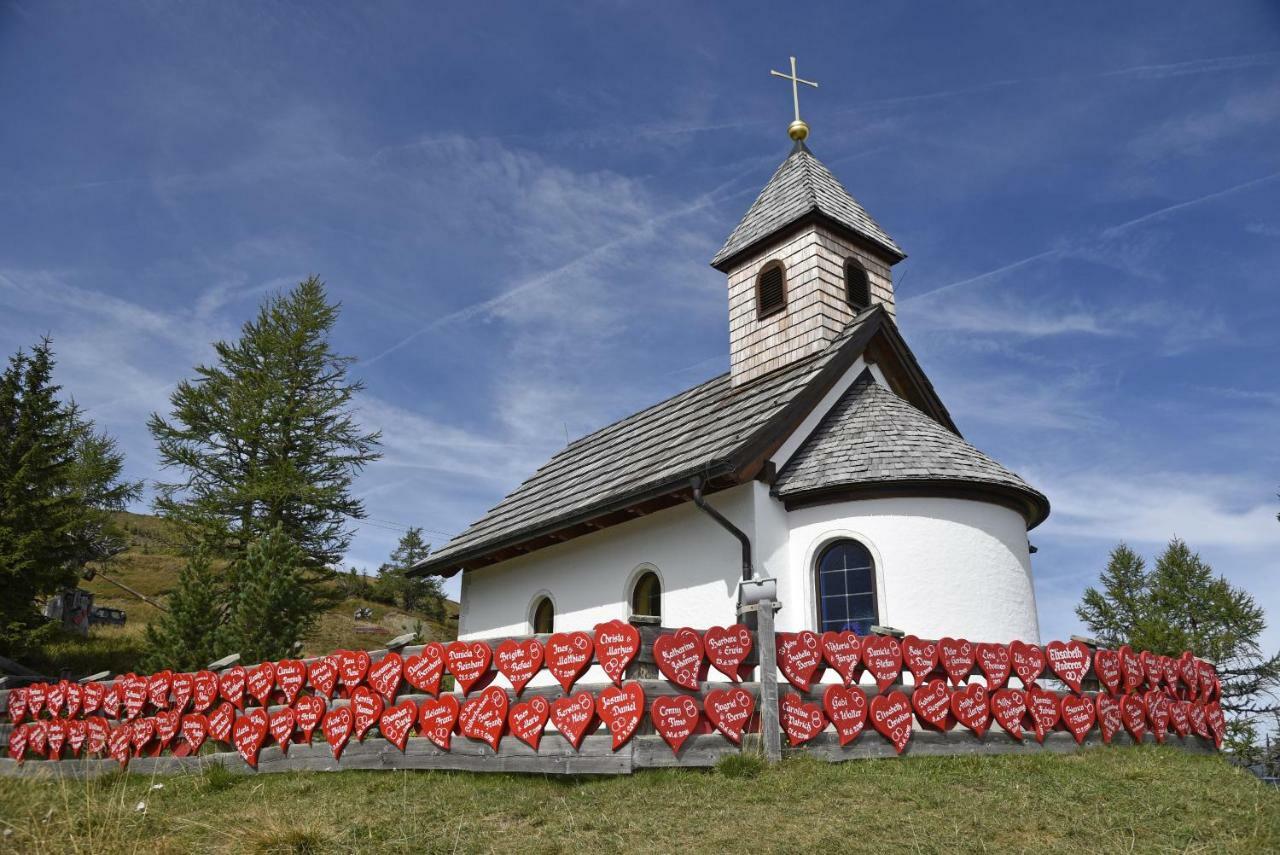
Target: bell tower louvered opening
(857, 287)
(771, 290)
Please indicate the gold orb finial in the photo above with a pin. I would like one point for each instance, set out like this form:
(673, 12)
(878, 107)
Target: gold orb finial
(798, 130)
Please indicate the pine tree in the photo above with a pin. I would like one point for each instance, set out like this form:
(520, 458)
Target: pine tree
(1114, 613)
(185, 638)
(270, 606)
(412, 593)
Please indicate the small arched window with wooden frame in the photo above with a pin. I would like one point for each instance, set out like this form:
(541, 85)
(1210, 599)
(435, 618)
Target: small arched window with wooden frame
(846, 583)
(543, 616)
(771, 289)
(857, 285)
(646, 596)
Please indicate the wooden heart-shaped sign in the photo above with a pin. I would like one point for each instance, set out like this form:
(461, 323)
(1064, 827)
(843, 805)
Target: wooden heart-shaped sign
(437, 719)
(1008, 708)
(322, 674)
(995, 663)
(932, 703)
(249, 734)
(891, 717)
(93, 695)
(135, 695)
(183, 685)
(112, 700)
(882, 655)
(221, 720)
(56, 734)
(527, 720)
(141, 731)
(38, 734)
(1151, 668)
(1170, 667)
(846, 709)
(574, 716)
(920, 657)
(484, 716)
(1207, 680)
(568, 654)
(35, 696)
(337, 729)
(518, 661)
(195, 728)
(1134, 714)
(353, 666)
(167, 725)
(1131, 672)
(800, 721)
(308, 712)
(18, 743)
(118, 744)
(1188, 673)
(424, 669)
(281, 726)
(17, 705)
(843, 652)
(259, 681)
(74, 697)
(1216, 722)
(468, 662)
(621, 708)
(230, 686)
(1106, 667)
(1077, 715)
(1044, 709)
(972, 708)
(1179, 719)
(291, 675)
(727, 647)
(99, 733)
(366, 708)
(204, 690)
(730, 711)
(1199, 720)
(675, 719)
(385, 674)
(799, 657)
(957, 656)
(679, 657)
(77, 732)
(617, 643)
(1069, 660)
(54, 696)
(1109, 718)
(1028, 662)
(158, 687)
(1157, 704)
(394, 724)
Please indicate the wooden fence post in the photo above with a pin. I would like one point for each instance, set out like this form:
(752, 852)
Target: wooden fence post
(770, 728)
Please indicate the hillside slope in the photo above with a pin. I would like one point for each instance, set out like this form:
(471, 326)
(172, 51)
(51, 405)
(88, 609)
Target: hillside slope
(150, 566)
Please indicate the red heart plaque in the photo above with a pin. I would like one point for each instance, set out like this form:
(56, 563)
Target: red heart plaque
(843, 652)
(281, 726)
(1216, 722)
(195, 727)
(74, 694)
(35, 696)
(617, 643)
(800, 721)
(1157, 704)
(971, 707)
(183, 686)
(158, 686)
(1077, 715)
(1028, 662)
(484, 716)
(526, 721)
(883, 657)
(394, 724)
(1008, 707)
(221, 720)
(423, 670)
(308, 712)
(54, 695)
(1109, 717)
(352, 667)
(1199, 720)
(920, 657)
(891, 716)
(957, 656)
(437, 718)
(77, 732)
(1134, 713)
(1069, 660)
(621, 708)
(1206, 674)
(1106, 667)
(727, 647)
(679, 657)
(730, 711)
(141, 731)
(93, 695)
(1131, 669)
(17, 705)
(259, 681)
(249, 734)
(675, 719)
(112, 699)
(1044, 709)
(230, 686)
(573, 716)
(56, 733)
(366, 706)
(799, 657)
(1151, 668)
(38, 734)
(204, 691)
(846, 709)
(1178, 717)
(135, 695)
(1187, 672)
(518, 661)
(322, 674)
(291, 674)
(468, 662)
(995, 663)
(932, 703)
(118, 744)
(337, 729)
(18, 743)
(99, 733)
(1170, 667)
(167, 726)
(384, 676)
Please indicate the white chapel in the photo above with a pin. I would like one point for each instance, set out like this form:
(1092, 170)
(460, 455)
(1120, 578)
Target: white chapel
(823, 459)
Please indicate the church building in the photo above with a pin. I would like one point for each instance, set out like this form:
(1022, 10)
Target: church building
(823, 459)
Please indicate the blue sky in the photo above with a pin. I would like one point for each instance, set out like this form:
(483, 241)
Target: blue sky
(516, 205)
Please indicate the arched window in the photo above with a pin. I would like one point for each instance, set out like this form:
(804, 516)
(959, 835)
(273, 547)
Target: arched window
(857, 287)
(646, 596)
(847, 588)
(771, 289)
(544, 616)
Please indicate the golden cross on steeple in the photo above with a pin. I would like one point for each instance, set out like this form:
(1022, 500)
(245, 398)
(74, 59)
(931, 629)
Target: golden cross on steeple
(797, 130)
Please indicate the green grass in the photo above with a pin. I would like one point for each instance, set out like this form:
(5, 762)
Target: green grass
(1143, 799)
